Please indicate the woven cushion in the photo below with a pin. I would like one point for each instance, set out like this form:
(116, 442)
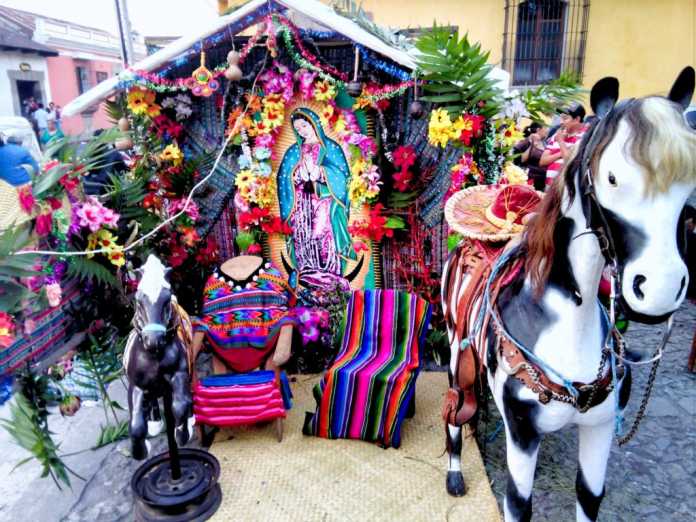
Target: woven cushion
(237, 399)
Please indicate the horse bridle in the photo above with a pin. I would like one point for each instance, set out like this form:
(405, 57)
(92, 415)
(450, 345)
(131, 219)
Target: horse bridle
(598, 224)
(168, 330)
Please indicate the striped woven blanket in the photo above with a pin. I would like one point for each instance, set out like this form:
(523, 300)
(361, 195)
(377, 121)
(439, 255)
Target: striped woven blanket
(367, 390)
(238, 399)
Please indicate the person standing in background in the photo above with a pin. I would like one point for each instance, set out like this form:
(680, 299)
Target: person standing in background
(530, 151)
(561, 146)
(51, 133)
(41, 118)
(54, 112)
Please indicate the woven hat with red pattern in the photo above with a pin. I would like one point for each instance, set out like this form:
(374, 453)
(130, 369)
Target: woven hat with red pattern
(491, 212)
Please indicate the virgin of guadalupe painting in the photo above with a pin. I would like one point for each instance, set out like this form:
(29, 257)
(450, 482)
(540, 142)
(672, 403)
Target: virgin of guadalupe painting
(313, 174)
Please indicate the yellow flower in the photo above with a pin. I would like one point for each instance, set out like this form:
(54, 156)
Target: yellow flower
(340, 125)
(362, 102)
(440, 128)
(326, 114)
(116, 257)
(136, 101)
(272, 118)
(263, 196)
(358, 167)
(357, 190)
(324, 91)
(172, 153)
(514, 174)
(244, 179)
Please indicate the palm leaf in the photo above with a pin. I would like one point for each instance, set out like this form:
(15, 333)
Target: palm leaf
(456, 73)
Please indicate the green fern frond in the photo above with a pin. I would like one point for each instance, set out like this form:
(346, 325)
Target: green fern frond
(89, 270)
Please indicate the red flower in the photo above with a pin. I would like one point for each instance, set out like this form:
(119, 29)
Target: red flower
(254, 217)
(473, 128)
(404, 157)
(44, 224)
(69, 183)
(152, 201)
(402, 180)
(54, 202)
(254, 249)
(276, 226)
(26, 198)
(209, 253)
(178, 256)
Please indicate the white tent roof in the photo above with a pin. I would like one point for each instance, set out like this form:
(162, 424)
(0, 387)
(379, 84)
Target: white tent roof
(311, 9)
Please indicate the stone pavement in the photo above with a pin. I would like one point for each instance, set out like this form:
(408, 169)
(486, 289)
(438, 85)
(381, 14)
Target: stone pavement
(650, 478)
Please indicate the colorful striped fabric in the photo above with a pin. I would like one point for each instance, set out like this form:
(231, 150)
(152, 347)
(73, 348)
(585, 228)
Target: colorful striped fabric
(50, 334)
(242, 323)
(366, 392)
(238, 399)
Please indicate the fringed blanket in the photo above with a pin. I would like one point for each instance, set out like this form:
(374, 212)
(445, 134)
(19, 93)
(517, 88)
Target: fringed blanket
(366, 392)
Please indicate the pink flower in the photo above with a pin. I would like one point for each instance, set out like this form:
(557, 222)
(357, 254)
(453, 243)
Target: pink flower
(53, 294)
(264, 140)
(29, 326)
(44, 224)
(306, 82)
(240, 204)
(26, 198)
(92, 214)
(191, 209)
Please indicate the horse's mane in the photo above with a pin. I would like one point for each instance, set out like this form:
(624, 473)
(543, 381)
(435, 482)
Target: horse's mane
(660, 143)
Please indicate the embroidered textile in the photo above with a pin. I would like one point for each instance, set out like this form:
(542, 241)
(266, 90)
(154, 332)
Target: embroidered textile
(242, 320)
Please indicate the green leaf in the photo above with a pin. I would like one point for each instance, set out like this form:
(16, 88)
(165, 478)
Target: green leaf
(111, 433)
(89, 270)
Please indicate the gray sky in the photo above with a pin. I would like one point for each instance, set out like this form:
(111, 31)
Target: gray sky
(149, 17)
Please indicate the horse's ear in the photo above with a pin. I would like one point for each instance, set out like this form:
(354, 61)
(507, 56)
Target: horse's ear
(604, 95)
(683, 88)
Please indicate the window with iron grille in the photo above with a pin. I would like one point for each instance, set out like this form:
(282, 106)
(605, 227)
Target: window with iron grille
(101, 76)
(82, 79)
(544, 38)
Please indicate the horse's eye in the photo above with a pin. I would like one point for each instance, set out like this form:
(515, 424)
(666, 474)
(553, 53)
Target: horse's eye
(612, 179)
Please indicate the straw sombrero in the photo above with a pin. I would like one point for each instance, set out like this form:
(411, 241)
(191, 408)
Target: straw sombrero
(491, 212)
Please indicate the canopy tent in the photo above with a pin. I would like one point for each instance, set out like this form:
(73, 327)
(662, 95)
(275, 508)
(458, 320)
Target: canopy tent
(246, 16)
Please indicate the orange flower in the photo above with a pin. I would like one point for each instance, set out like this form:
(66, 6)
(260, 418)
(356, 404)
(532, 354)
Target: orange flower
(254, 103)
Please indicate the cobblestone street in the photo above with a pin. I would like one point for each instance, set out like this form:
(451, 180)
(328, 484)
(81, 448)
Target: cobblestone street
(651, 477)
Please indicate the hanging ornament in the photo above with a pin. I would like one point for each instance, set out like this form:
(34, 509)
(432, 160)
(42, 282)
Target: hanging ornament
(416, 109)
(202, 82)
(355, 87)
(233, 72)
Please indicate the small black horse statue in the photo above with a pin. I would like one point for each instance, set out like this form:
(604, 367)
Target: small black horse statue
(156, 359)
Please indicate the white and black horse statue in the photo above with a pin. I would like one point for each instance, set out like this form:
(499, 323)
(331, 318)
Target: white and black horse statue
(156, 360)
(617, 203)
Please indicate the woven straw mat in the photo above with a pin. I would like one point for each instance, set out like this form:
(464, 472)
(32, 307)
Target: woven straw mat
(314, 479)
